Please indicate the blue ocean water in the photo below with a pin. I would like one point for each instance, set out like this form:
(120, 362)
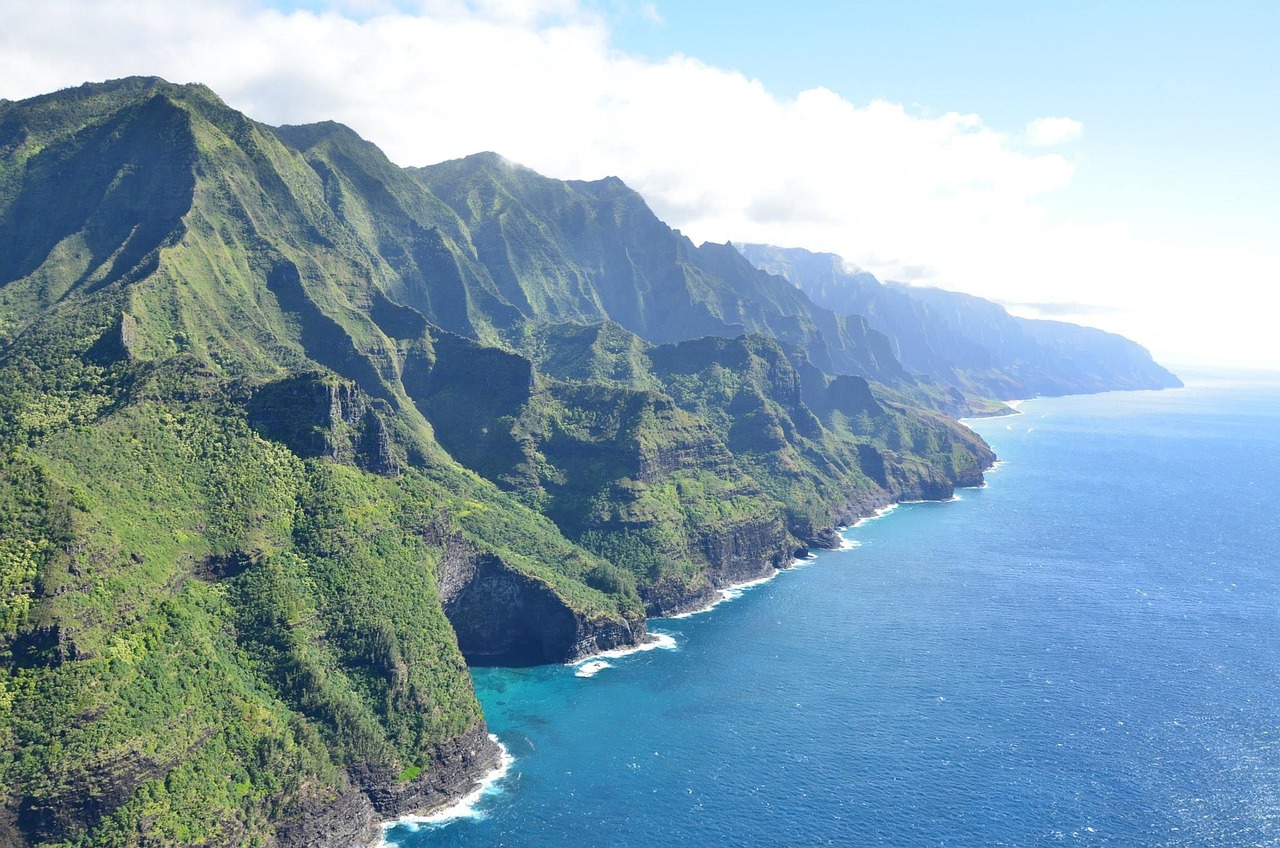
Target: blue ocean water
(1085, 652)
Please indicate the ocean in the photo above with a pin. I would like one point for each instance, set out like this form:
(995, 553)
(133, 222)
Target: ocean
(1084, 652)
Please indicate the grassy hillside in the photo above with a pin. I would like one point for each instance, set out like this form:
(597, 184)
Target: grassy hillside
(289, 434)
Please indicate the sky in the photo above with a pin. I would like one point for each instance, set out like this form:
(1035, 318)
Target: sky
(1115, 164)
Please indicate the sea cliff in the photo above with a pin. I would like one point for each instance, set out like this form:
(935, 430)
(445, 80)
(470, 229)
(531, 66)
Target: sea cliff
(291, 437)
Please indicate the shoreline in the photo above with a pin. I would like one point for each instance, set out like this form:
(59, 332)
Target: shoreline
(735, 590)
(592, 664)
(1014, 407)
(732, 592)
(463, 807)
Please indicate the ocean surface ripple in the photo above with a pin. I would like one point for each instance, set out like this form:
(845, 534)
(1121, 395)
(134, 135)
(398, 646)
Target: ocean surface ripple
(1085, 652)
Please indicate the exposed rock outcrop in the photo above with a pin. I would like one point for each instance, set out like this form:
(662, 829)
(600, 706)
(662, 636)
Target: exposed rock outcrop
(329, 822)
(354, 817)
(504, 617)
(101, 791)
(322, 415)
(120, 341)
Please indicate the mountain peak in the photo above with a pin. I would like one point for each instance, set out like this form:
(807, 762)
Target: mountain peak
(128, 88)
(490, 159)
(307, 136)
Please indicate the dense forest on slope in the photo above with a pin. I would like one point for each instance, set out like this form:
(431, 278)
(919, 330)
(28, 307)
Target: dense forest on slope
(289, 435)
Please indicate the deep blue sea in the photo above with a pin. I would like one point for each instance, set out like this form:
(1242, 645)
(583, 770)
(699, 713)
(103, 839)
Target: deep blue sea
(1085, 652)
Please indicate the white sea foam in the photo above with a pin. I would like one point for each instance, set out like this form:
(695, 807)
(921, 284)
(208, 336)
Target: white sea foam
(592, 668)
(724, 595)
(655, 640)
(730, 593)
(954, 497)
(879, 513)
(464, 808)
(848, 544)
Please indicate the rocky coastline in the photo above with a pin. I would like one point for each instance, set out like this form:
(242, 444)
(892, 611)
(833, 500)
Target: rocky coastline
(824, 538)
(291, 436)
(466, 570)
(356, 816)
(502, 616)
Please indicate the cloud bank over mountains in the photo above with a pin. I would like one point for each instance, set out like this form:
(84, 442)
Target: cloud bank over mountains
(941, 199)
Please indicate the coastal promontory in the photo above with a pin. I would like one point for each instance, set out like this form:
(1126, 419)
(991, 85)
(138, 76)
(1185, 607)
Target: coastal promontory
(290, 436)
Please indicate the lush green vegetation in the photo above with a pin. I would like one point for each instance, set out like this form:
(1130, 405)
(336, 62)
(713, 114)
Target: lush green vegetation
(260, 390)
(206, 599)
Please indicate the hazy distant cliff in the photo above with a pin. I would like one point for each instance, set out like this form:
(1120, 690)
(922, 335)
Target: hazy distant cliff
(966, 341)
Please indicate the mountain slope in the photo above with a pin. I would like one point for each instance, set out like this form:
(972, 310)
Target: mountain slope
(230, 544)
(289, 435)
(826, 450)
(592, 251)
(965, 341)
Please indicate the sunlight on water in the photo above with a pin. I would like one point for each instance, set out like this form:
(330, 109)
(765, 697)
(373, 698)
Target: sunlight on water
(1083, 652)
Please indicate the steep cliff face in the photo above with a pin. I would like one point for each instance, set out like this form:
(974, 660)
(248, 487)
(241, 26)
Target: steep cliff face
(286, 438)
(504, 617)
(965, 341)
(470, 392)
(808, 450)
(320, 415)
(825, 448)
(623, 472)
(212, 637)
(593, 251)
(353, 815)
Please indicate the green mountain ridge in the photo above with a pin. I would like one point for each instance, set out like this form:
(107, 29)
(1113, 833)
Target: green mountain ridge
(967, 342)
(594, 251)
(290, 435)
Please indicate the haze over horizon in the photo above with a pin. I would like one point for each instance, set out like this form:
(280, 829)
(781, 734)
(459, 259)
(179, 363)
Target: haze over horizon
(1108, 167)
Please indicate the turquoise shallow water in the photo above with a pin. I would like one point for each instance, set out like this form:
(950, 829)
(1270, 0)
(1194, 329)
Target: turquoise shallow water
(1085, 652)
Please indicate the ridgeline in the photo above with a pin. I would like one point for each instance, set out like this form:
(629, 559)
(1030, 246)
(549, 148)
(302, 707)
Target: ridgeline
(289, 435)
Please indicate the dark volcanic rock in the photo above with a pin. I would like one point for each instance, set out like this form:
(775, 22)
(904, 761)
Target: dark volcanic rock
(10, 836)
(373, 446)
(747, 551)
(353, 817)
(449, 772)
(667, 598)
(117, 343)
(346, 820)
(303, 412)
(319, 415)
(504, 617)
(101, 791)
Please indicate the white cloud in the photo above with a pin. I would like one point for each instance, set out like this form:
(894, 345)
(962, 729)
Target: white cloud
(941, 199)
(1049, 132)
